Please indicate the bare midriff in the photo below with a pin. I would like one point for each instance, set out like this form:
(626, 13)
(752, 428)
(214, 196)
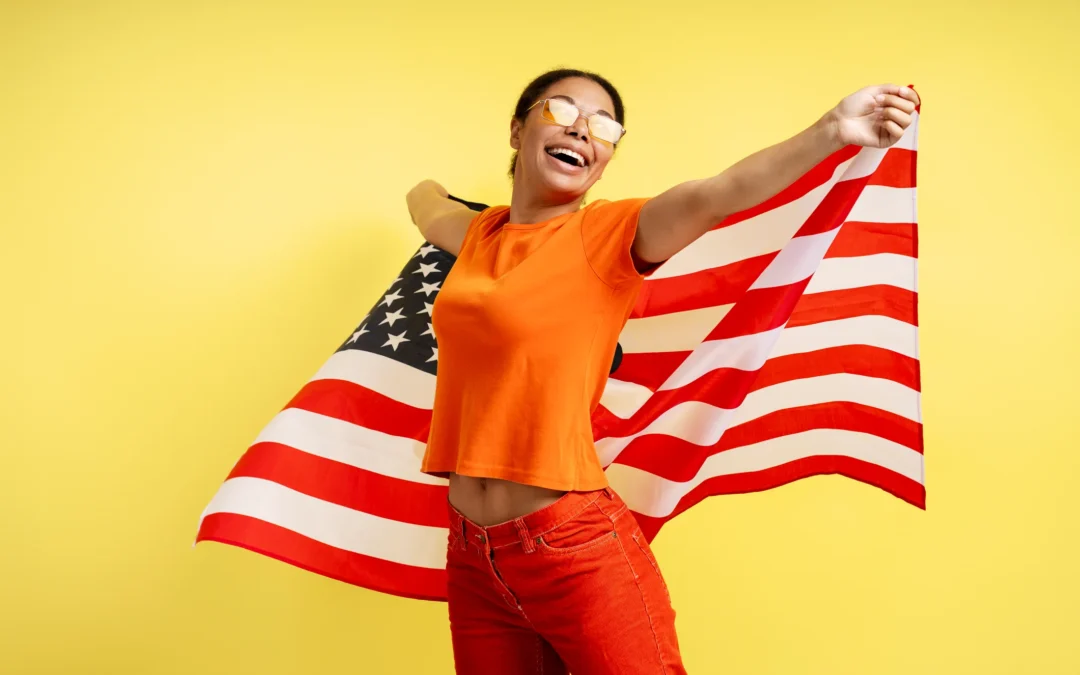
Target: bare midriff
(491, 501)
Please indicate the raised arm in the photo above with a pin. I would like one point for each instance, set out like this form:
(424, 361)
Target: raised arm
(874, 116)
(441, 220)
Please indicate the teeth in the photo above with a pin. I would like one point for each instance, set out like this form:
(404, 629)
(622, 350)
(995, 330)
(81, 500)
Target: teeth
(571, 153)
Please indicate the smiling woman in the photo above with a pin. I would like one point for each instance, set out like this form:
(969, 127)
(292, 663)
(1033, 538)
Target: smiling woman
(547, 570)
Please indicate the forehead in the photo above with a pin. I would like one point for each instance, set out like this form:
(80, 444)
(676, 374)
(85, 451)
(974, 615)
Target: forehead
(584, 93)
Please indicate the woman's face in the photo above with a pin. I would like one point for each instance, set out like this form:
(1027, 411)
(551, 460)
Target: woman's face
(537, 140)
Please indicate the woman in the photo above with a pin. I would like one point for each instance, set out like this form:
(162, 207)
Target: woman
(547, 570)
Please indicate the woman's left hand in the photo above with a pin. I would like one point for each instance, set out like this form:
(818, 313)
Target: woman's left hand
(875, 116)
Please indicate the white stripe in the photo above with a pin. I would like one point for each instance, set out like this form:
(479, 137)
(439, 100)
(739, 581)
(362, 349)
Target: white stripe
(652, 495)
(350, 444)
(797, 261)
(332, 524)
(884, 204)
(745, 352)
(771, 231)
(703, 424)
(382, 374)
(865, 163)
(624, 398)
(684, 331)
(750, 352)
(873, 330)
(890, 269)
(764, 233)
(677, 331)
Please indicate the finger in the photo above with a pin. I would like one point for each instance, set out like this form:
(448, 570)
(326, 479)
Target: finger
(896, 90)
(893, 89)
(911, 95)
(896, 115)
(893, 129)
(886, 100)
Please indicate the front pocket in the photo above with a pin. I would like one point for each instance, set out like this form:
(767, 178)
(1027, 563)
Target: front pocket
(590, 528)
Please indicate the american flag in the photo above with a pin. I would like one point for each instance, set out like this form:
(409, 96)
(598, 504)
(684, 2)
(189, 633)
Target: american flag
(782, 344)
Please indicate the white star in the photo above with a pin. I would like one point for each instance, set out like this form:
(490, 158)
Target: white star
(434, 356)
(429, 331)
(426, 309)
(391, 317)
(395, 340)
(390, 298)
(428, 289)
(427, 269)
(425, 250)
(358, 333)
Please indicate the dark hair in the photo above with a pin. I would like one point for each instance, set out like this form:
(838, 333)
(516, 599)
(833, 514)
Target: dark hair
(538, 86)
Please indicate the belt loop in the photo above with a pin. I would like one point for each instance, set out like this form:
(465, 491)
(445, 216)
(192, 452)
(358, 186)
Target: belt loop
(523, 533)
(610, 494)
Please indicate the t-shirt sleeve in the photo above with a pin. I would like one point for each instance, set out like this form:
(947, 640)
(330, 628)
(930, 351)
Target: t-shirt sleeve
(480, 223)
(607, 232)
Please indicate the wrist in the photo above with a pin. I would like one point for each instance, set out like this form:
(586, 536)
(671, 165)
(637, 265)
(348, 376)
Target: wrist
(827, 132)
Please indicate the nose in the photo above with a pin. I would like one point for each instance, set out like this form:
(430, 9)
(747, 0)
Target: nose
(580, 128)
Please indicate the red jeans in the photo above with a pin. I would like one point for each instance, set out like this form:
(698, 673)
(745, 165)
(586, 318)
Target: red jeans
(573, 586)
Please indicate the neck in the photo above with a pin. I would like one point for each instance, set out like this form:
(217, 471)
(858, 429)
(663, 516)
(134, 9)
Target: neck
(527, 207)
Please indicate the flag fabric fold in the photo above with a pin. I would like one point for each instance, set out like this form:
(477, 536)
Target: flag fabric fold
(780, 345)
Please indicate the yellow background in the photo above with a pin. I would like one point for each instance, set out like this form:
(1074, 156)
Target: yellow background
(199, 201)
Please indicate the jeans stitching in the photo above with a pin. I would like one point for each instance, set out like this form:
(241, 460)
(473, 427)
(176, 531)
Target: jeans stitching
(655, 566)
(569, 518)
(544, 546)
(645, 606)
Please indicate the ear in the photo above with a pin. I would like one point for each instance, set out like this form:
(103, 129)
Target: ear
(516, 128)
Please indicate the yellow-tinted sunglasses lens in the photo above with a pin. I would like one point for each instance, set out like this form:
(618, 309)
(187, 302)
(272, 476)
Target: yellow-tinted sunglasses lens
(565, 114)
(560, 112)
(605, 129)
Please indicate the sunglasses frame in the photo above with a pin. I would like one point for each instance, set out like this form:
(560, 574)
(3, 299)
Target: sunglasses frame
(581, 113)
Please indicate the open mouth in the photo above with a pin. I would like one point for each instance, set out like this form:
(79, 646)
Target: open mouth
(568, 156)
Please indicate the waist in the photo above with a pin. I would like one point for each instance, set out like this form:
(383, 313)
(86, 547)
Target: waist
(488, 501)
(528, 526)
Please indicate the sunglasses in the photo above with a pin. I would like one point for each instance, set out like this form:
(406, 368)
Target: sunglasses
(565, 114)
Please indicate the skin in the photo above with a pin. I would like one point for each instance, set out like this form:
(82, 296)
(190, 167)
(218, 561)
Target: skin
(544, 188)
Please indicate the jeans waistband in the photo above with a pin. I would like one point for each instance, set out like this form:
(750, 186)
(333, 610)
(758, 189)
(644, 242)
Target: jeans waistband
(524, 529)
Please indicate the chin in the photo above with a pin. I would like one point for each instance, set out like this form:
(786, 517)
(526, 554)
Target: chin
(567, 188)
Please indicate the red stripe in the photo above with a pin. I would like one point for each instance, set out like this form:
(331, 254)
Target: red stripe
(881, 300)
(817, 176)
(854, 359)
(649, 369)
(759, 310)
(728, 387)
(901, 486)
(349, 486)
(834, 208)
(729, 283)
(291, 547)
(705, 288)
(858, 238)
(677, 460)
(897, 169)
(363, 407)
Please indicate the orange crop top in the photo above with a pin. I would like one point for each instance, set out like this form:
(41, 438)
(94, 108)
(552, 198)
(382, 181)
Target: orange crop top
(527, 322)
